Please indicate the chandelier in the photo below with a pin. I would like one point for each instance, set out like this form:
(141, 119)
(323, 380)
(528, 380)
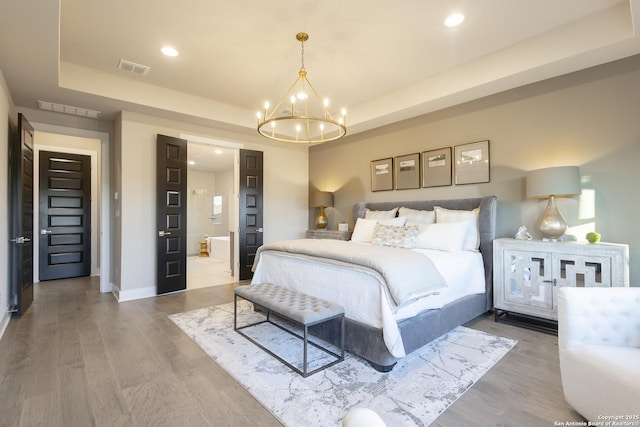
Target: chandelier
(300, 116)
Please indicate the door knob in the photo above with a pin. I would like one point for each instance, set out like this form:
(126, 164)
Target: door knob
(163, 233)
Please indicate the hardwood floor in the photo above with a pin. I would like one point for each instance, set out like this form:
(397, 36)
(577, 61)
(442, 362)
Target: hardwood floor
(78, 358)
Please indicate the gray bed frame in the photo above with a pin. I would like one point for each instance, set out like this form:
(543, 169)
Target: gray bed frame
(368, 343)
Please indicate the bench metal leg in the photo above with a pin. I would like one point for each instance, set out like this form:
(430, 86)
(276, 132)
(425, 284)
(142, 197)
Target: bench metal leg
(342, 337)
(235, 312)
(305, 337)
(304, 358)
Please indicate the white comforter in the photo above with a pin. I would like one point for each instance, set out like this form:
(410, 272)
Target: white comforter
(362, 294)
(407, 275)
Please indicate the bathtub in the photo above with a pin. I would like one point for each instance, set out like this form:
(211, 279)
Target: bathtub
(218, 247)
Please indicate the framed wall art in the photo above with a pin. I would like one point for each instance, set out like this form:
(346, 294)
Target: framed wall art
(472, 163)
(407, 171)
(382, 174)
(436, 167)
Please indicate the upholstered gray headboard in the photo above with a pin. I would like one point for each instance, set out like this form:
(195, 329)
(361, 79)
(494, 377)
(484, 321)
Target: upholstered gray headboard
(486, 224)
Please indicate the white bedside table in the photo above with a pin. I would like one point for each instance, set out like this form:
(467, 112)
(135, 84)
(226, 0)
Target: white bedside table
(528, 273)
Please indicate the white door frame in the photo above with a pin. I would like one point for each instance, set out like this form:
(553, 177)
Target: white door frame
(104, 205)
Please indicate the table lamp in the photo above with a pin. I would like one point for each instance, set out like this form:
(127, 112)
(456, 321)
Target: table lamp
(321, 199)
(562, 181)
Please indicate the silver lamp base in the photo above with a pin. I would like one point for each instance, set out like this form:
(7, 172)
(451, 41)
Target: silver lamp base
(552, 224)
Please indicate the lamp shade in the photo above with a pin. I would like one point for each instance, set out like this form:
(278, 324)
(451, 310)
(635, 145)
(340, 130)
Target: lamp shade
(562, 181)
(321, 198)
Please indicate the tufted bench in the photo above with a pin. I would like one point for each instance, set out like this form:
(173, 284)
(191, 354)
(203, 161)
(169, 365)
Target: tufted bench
(296, 307)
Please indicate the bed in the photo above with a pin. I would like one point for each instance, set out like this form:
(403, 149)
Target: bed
(381, 327)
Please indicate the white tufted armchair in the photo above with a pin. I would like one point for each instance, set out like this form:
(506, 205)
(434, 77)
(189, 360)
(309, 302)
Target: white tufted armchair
(599, 343)
(362, 417)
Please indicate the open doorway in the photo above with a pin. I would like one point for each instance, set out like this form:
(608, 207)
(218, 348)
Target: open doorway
(211, 217)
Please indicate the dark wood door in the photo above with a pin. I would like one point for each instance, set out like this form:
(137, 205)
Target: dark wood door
(21, 189)
(65, 215)
(171, 217)
(250, 224)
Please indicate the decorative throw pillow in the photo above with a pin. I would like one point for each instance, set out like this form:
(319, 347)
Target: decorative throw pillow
(472, 238)
(415, 216)
(444, 236)
(369, 214)
(397, 237)
(363, 230)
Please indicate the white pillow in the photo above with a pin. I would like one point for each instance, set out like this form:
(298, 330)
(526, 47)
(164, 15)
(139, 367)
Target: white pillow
(444, 236)
(472, 239)
(396, 237)
(398, 221)
(369, 214)
(364, 228)
(415, 216)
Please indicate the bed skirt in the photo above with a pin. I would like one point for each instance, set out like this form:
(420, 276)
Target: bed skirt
(367, 341)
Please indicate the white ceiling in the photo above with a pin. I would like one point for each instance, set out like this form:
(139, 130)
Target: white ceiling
(384, 61)
(208, 158)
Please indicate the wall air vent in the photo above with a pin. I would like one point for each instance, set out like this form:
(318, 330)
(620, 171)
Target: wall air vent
(132, 67)
(68, 109)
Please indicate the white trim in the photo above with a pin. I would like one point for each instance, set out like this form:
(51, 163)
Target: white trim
(4, 323)
(148, 292)
(210, 141)
(105, 201)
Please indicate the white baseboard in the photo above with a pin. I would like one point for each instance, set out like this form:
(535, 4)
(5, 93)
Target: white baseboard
(4, 322)
(134, 293)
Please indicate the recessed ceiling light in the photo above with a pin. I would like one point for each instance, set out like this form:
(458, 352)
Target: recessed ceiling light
(191, 162)
(218, 151)
(454, 19)
(169, 51)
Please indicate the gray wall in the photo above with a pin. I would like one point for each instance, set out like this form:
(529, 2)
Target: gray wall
(589, 119)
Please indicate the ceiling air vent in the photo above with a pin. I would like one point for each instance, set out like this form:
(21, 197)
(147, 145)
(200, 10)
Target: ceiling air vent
(68, 109)
(133, 67)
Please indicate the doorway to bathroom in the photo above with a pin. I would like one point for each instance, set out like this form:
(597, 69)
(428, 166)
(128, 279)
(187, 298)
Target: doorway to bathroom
(211, 216)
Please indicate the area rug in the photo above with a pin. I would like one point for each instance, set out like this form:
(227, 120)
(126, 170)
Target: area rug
(418, 389)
